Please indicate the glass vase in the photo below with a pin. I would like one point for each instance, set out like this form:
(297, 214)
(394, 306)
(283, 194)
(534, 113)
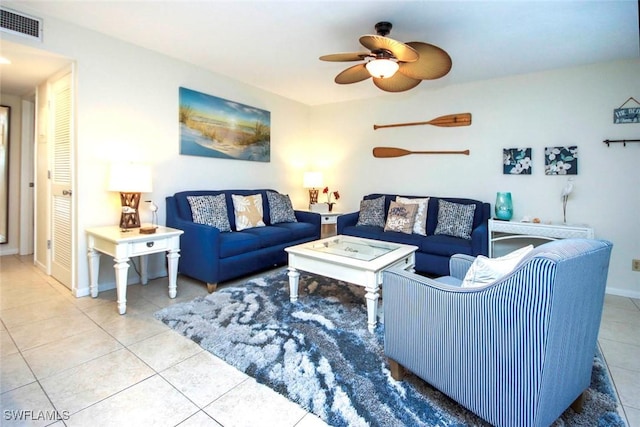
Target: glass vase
(504, 206)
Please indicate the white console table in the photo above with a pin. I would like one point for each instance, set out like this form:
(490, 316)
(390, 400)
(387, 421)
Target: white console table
(507, 230)
(121, 246)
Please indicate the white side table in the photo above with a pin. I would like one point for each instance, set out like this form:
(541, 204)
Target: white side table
(121, 246)
(506, 230)
(329, 224)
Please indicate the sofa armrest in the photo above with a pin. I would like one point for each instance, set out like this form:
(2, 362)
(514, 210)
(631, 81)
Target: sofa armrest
(459, 265)
(480, 240)
(309, 217)
(347, 220)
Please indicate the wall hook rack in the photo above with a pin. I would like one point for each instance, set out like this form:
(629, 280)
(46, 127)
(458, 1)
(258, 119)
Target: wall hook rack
(618, 141)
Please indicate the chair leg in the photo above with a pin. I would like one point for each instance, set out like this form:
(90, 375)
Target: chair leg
(397, 370)
(211, 287)
(578, 404)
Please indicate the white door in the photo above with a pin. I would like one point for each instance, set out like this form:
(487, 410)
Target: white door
(61, 212)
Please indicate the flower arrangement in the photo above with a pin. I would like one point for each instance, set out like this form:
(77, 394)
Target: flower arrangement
(335, 194)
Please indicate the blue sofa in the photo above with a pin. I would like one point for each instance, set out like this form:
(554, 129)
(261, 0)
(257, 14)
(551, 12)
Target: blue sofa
(434, 251)
(212, 256)
(516, 351)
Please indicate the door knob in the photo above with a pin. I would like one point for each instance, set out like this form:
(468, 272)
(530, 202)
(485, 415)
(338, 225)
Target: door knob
(66, 192)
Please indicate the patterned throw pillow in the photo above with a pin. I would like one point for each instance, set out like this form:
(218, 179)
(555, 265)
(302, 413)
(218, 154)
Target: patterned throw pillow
(455, 219)
(210, 210)
(420, 224)
(372, 212)
(248, 211)
(401, 217)
(280, 208)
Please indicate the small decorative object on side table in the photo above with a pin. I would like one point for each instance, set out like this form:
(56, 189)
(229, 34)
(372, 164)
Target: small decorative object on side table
(111, 240)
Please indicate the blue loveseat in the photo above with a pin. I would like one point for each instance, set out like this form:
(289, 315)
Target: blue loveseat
(212, 256)
(434, 250)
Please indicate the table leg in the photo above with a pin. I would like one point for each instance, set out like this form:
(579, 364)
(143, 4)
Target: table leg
(144, 274)
(372, 296)
(172, 258)
(121, 268)
(294, 278)
(94, 269)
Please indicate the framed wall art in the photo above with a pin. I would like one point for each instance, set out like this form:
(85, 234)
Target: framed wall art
(561, 160)
(516, 161)
(216, 127)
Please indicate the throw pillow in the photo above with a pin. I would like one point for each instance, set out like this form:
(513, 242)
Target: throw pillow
(455, 219)
(401, 217)
(484, 271)
(372, 212)
(210, 210)
(248, 211)
(420, 224)
(280, 208)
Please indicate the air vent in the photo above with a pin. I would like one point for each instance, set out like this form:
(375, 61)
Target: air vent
(20, 24)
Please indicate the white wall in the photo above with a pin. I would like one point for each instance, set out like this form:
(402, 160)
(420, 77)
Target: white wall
(556, 108)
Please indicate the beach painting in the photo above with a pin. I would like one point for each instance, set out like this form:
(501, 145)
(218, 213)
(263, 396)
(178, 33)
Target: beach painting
(216, 127)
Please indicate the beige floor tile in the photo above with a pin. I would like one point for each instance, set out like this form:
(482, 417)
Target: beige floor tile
(621, 355)
(633, 416)
(627, 384)
(620, 331)
(105, 313)
(57, 356)
(132, 328)
(42, 332)
(42, 310)
(619, 302)
(89, 383)
(22, 295)
(619, 314)
(164, 350)
(14, 373)
(203, 378)
(253, 404)
(199, 419)
(20, 401)
(152, 402)
(6, 343)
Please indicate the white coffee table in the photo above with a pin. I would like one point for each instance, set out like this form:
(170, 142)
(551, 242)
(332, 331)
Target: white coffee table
(350, 259)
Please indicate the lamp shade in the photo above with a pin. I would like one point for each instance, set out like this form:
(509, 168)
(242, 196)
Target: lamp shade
(127, 177)
(312, 180)
(382, 68)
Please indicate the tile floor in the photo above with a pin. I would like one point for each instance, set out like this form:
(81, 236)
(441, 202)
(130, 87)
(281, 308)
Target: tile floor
(77, 359)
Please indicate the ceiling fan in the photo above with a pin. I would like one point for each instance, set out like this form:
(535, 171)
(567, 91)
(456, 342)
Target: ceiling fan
(394, 66)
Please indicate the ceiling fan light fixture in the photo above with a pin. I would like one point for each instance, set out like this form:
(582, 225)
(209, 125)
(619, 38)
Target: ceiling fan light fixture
(382, 68)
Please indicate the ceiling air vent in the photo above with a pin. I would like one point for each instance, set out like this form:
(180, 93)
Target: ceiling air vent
(20, 24)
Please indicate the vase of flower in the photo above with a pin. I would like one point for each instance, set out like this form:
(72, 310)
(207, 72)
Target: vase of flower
(504, 207)
(335, 194)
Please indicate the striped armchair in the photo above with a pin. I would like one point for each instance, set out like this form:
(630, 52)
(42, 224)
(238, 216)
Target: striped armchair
(518, 352)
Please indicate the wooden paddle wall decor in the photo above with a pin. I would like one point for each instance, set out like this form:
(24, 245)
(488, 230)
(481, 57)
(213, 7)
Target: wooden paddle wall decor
(450, 120)
(386, 152)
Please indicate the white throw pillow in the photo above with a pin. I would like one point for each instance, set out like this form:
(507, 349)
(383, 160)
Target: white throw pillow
(485, 271)
(420, 224)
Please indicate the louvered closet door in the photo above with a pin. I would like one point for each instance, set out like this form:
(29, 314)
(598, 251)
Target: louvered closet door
(61, 181)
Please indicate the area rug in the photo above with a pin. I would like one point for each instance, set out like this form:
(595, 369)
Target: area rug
(318, 352)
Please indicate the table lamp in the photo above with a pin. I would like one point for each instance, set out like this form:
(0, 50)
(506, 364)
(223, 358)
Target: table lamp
(312, 181)
(130, 179)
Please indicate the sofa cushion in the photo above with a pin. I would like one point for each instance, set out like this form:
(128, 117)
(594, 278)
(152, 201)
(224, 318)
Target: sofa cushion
(280, 208)
(210, 210)
(269, 235)
(248, 211)
(401, 217)
(232, 244)
(484, 271)
(298, 230)
(420, 223)
(378, 233)
(372, 212)
(455, 219)
(443, 245)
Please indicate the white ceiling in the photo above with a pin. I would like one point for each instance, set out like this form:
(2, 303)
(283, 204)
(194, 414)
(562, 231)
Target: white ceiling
(275, 45)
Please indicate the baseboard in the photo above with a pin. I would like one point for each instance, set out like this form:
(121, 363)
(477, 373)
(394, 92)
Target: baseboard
(623, 293)
(11, 251)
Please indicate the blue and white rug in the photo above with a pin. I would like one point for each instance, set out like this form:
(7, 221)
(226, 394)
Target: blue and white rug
(318, 352)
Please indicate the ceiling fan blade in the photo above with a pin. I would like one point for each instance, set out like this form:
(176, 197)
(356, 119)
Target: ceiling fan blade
(432, 64)
(397, 83)
(401, 51)
(345, 57)
(354, 74)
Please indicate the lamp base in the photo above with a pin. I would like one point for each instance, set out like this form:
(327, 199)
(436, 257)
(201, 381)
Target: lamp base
(129, 217)
(313, 196)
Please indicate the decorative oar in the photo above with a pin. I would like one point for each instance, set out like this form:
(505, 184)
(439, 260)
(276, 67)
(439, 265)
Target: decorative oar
(386, 152)
(450, 120)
